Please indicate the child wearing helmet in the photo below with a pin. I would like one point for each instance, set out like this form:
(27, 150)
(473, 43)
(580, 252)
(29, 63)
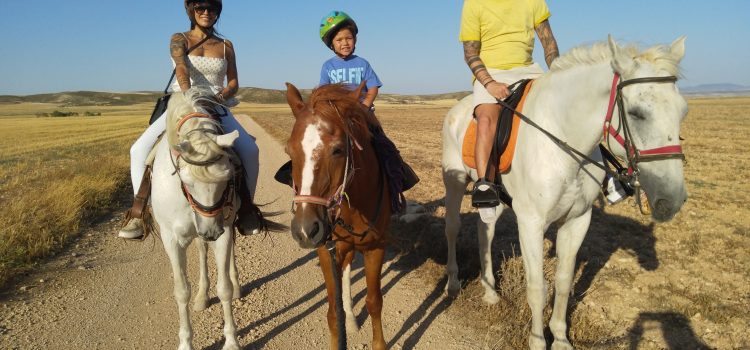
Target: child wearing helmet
(338, 32)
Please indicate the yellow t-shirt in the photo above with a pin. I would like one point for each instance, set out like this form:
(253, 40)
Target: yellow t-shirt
(505, 28)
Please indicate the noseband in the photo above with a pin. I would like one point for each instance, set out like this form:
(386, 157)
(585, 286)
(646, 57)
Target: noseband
(228, 194)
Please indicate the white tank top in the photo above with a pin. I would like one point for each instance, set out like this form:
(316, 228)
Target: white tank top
(208, 72)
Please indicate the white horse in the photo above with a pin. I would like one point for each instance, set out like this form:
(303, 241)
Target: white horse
(549, 183)
(192, 184)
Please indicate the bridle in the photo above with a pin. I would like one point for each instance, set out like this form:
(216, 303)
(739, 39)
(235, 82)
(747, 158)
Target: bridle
(332, 204)
(635, 156)
(631, 174)
(227, 196)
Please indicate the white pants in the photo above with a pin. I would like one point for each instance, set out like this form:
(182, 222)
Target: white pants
(245, 146)
(508, 76)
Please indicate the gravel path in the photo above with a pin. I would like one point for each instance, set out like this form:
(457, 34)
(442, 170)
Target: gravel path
(104, 293)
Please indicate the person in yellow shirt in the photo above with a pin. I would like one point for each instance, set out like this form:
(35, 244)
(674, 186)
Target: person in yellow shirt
(498, 40)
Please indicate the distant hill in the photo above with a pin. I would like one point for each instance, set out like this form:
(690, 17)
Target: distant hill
(716, 89)
(248, 94)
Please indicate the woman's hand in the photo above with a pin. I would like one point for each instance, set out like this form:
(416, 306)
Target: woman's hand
(497, 90)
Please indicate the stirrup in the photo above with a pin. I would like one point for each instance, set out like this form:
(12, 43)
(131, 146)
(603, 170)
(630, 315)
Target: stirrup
(484, 194)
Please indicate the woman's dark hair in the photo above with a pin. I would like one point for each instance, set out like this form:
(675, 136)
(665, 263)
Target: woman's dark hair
(190, 5)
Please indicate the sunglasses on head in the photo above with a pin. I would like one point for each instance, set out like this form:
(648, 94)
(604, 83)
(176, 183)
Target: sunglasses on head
(204, 8)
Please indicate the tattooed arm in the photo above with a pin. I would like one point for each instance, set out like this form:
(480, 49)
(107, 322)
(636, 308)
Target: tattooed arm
(544, 32)
(232, 82)
(178, 49)
(471, 56)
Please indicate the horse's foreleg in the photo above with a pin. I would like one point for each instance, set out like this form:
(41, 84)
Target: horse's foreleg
(325, 266)
(222, 252)
(373, 270)
(569, 239)
(486, 232)
(177, 259)
(233, 273)
(531, 234)
(346, 293)
(201, 297)
(455, 184)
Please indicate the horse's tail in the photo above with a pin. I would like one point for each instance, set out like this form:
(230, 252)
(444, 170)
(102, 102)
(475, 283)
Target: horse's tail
(264, 224)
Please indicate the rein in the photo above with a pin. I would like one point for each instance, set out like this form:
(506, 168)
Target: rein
(634, 156)
(229, 191)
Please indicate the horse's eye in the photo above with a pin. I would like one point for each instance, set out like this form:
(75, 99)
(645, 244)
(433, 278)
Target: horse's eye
(337, 151)
(637, 113)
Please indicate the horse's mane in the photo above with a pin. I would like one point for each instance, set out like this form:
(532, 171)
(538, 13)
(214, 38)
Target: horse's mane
(203, 147)
(336, 104)
(658, 55)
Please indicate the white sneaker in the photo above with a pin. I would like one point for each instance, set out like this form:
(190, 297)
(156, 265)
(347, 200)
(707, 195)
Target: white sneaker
(133, 230)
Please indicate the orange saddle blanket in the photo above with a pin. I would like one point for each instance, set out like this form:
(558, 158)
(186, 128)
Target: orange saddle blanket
(470, 139)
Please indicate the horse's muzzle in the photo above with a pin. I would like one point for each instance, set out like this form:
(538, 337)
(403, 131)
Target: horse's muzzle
(309, 233)
(209, 229)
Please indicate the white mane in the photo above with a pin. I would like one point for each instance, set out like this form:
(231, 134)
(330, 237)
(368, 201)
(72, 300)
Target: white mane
(203, 145)
(658, 55)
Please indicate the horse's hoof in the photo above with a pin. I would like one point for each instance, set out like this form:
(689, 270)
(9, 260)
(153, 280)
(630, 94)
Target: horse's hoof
(491, 297)
(236, 294)
(561, 345)
(200, 305)
(452, 288)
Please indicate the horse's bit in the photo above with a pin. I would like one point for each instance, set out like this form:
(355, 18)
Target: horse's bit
(228, 194)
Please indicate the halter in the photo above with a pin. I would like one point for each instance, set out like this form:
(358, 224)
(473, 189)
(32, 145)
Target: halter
(226, 199)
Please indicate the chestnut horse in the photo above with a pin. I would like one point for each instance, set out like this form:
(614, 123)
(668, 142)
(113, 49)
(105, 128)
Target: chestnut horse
(341, 193)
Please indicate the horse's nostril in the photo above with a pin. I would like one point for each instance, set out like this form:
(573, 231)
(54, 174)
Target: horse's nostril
(314, 230)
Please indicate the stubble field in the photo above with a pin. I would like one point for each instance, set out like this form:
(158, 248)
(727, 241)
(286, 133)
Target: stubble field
(679, 285)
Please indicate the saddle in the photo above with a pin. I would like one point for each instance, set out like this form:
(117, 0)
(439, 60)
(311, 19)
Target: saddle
(507, 132)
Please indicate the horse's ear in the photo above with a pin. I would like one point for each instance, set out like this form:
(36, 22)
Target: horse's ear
(358, 91)
(677, 49)
(294, 98)
(621, 63)
(227, 140)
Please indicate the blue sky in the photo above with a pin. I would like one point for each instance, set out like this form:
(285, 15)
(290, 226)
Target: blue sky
(105, 45)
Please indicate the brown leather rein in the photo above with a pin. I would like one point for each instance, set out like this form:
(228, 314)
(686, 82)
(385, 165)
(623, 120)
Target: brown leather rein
(227, 196)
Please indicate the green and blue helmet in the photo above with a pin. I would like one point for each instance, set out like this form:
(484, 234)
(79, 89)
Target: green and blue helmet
(332, 23)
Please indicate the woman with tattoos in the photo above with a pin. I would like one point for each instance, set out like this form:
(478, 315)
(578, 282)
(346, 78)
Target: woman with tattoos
(498, 39)
(210, 62)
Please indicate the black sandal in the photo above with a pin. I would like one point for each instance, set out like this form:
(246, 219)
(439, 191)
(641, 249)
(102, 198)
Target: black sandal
(484, 194)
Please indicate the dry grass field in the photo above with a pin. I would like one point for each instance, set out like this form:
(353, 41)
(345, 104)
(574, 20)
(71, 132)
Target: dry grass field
(58, 174)
(678, 285)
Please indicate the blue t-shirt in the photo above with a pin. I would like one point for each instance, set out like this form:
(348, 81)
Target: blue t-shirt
(350, 71)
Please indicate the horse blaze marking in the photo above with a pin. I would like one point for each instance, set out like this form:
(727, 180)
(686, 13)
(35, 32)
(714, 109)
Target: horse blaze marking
(310, 143)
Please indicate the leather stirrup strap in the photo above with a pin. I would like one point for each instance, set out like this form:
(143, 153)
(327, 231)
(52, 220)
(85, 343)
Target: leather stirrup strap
(141, 198)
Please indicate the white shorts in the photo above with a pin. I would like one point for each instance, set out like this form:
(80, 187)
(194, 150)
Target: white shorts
(506, 76)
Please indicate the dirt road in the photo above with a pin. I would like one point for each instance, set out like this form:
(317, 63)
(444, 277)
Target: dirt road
(104, 293)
